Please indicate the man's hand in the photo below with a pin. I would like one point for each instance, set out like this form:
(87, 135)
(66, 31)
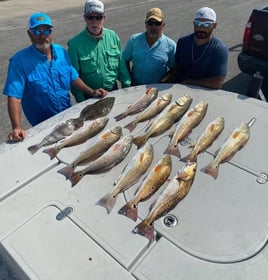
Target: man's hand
(17, 134)
(100, 92)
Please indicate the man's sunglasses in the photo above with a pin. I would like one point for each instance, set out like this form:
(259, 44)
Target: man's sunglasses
(151, 23)
(37, 32)
(206, 24)
(94, 17)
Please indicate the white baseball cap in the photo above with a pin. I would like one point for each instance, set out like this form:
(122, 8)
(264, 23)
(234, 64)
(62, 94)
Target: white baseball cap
(94, 6)
(205, 13)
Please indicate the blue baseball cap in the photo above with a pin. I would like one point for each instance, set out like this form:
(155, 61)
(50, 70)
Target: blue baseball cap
(39, 19)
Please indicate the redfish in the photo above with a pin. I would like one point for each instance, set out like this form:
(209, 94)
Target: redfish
(155, 179)
(205, 140)
(130, 175)
(102, 144)
(171, 114)
(235, 142)
(175, 191)
(184, 127)
(113, 156)
(143, 102)
(86, 132)
(155, 108)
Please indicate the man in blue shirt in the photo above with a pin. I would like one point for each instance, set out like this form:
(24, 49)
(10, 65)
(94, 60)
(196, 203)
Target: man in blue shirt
(201, 58)
(39, 79)
(151, 53)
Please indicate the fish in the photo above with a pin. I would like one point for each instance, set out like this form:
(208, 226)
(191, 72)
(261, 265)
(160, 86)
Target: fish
(235, 142)
(113, 156)
(99, 109)
(131, 174)
(155, 108)
(171, 114)
(105, 141)
(87, 132)
(185, 126)
(169, 198)
(155, 179)
(58, 133)
(205, 140)
(142, 102)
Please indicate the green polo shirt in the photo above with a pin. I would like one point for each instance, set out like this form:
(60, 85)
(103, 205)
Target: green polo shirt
(99, 61)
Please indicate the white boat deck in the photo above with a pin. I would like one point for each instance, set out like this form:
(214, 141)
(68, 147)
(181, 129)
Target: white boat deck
(50, 230)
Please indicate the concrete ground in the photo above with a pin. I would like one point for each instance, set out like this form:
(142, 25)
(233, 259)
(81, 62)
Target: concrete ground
(13, 8)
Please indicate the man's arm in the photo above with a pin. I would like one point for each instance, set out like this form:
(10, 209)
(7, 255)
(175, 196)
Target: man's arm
(211, 82)
(14, 111)
(81, 86)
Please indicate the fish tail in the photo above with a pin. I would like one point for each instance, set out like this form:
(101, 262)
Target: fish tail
(172, 150)
(140, 140)
(75, 177)
(190, 157)
(145, 229)
(34, 148)
(129, 210)
(52, 152)
(131, 126)
(108, 202)
(120, 117)
(67, 171)
(211, 170)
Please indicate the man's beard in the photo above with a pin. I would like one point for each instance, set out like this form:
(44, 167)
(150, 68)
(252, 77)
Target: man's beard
(42, 47)
(202, 34)
(153, 35)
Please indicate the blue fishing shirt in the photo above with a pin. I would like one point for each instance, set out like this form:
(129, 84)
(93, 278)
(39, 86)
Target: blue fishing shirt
(42, 85)
(149, 64)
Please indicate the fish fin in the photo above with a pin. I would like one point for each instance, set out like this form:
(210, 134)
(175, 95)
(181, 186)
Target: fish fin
(190, 157)
(145, 229)
(78, 122)
(120, 117)
(75, 177)
(172, 150)
(67, 171)
(192, 144)
(152, 205)
(108, 202)
(129, 210)
(131, 126)
(211, 170)
(140, 140)
(34, 148)
(137, 189)
(52, 152)
(230, 156)
(148, 90)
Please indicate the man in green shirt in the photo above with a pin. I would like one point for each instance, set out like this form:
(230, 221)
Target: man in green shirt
(96, 53)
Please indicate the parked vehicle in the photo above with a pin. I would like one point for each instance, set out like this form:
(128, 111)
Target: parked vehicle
(253, 59)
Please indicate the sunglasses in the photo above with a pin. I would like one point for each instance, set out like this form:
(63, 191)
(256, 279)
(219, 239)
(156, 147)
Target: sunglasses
(206, 24)
(37, 32)
(94, 17)
(155, 23)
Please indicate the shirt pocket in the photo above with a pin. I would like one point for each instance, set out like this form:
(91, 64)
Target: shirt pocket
(64, 78)
(113, 57)
(38, 82)
(88, 64)
(160, 58)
